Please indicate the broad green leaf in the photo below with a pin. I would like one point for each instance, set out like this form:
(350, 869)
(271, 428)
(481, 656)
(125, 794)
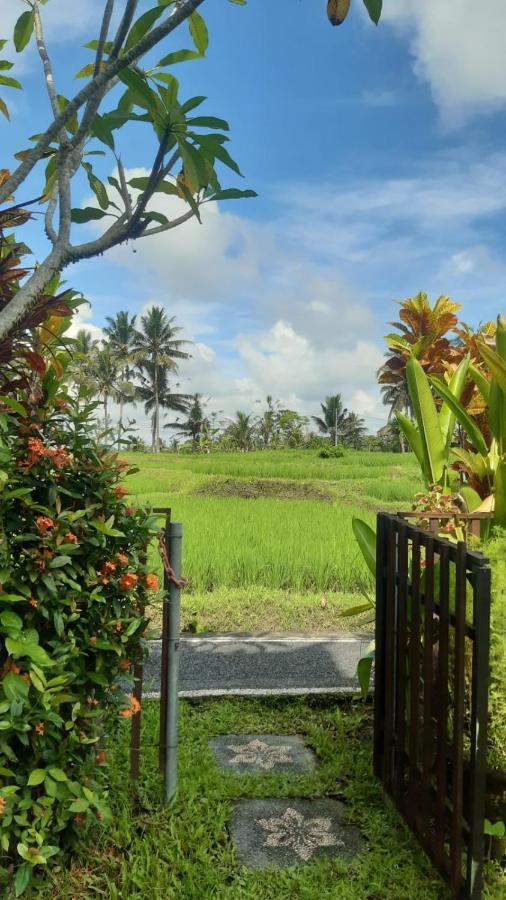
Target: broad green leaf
(497, 399)
(496, 364)
(79, 806)
(71, 124)
(209, 122)
(22, 879)
(97, 187)
(471, 497)
(374, 7)
(496, 829)
(224, 157)
(446, 415)
(163, 187)
(80, 216)
(3, 109)
(500, 494)
(366, 540)
(364, 667)
(413, 438)
(178, 56)
(23, 30)
(475, 462)
(10, 82)
(355, 610)
(58, 561)
(36, 777)
(14, 405)
(233, 194)
(11, 620)
(481, 382)
(196, 175)
(198, 31)
(427, 420)
(143, 25)
(18, 648)
(141, 92)
(58, 774)
(15, 687)
(468, 424)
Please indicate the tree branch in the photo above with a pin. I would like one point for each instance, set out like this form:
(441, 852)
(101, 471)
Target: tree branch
(48, 218)
(124, 27)
(46, 62)
(104, 31)
(97, 87)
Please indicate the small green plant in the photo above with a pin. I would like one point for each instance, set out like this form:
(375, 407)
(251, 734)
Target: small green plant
(331, 452)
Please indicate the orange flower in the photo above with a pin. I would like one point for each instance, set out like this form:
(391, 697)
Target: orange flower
(100, 758)
(151, 582)
(107, 568)
(78, 820)
(132, 710)
(122, 559)
(44, 524)
(60, 457)
(36, 449)
(118, 627)
(39, 728)
(129, 510)
(124, 665)
(2, 805)
(120, 490)
(128, 581)
(69, 538)
(33, 602)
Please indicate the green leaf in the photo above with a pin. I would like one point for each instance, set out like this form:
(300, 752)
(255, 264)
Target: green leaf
(463, 417)
(141, 92)
(209, 122)
(446, 415)
(86, 71)
(96, 186)
(80, 216)
(36, 777)
(58, 774)
(233, 194)
(11, 620)
(10, 82)
(11, 598)
(3, 109)
(23, 30)
(496, 364)
(15, 687)
(142, 25)
(471, 497)
(496, 829)
(412, 435)
(355, 610)
(79, 806)
(374, 7)
(19, 647)
(500, 495)
(364, 667)
(22, 879)
(71, 124)
(14, 405)
(427, 419)
(178, 56)
(224, 157)
(198, 31)
(366, 540)
(482, 383)
(58, 561)
(163, 187)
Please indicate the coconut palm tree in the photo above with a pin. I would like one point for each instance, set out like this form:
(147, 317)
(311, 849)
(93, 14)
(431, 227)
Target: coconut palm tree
(196, 422)
(333, 418)
(155, 393)
(121, 335)
(241, 431)
(104, 376)
(354, 431)
(155, 346)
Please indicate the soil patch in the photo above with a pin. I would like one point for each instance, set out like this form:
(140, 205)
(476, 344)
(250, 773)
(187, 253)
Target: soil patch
(253, 489)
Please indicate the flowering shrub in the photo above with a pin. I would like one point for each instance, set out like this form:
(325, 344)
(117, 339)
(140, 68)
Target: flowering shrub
(73, 592)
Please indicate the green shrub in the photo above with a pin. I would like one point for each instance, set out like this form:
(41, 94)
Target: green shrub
(73, 589)
(331, 453)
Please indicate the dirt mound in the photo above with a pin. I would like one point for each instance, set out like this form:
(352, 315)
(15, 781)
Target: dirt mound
(254, 489)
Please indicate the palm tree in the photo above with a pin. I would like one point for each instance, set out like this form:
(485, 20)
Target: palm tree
(242, 431)
(354, 431)
(157, 346)
(80, 368)
(196, 423)
(104, 374)
(333, 417)
(156, 394)
(121, 333)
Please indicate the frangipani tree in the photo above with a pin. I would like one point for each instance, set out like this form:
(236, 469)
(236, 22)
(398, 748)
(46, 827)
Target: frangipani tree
(129, 81)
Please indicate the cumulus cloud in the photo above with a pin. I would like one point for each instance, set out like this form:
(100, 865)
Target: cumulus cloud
(458, 48)
(82, 321)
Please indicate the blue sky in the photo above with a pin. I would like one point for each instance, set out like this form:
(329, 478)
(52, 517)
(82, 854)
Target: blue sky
(379, 158)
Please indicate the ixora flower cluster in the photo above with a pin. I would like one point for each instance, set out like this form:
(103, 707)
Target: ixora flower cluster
(74, 586)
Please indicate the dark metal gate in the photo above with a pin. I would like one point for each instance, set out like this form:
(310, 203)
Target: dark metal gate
(431, 693)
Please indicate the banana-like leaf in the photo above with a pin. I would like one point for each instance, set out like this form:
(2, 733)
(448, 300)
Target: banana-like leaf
(476, 463)
(500, 494)
(412, 435)
(427, 420)
(446, 415)
(364, 667)
(470, 427)
(366, 540)
(481, 382)
(497, 400)
(471, 497)
(496, 364)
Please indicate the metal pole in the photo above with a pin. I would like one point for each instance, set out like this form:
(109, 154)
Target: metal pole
(171, 731)
(162, 754)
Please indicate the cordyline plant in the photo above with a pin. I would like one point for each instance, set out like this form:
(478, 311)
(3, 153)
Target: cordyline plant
(129, 81)
(74, 586)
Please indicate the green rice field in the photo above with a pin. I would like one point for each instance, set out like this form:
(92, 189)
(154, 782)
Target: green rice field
(270, 532)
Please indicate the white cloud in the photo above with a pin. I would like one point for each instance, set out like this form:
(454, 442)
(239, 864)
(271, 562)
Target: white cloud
(82, 322)
(459, 48)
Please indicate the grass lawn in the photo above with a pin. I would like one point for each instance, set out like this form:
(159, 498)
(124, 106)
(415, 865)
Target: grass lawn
(268, 535)
(186, 853)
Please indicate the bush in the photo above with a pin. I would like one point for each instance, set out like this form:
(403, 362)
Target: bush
(496, 551)
(331, 452)
(73, 591)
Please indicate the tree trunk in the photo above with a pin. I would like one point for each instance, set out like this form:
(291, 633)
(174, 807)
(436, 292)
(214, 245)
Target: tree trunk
(106, 414)
(156, 415)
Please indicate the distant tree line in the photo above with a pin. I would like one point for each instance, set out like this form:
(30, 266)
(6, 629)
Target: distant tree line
(137, 362)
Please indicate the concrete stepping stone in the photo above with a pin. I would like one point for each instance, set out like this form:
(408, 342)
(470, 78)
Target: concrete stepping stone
(262, 753)
(282, 833)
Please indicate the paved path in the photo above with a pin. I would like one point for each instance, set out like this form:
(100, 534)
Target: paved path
(261, 664)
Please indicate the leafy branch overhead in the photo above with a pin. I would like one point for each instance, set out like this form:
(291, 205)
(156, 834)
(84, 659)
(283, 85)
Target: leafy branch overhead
(128, 83)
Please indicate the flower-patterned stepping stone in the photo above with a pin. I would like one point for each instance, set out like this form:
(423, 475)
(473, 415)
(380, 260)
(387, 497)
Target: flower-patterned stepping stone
(257, 753)
(284, 833)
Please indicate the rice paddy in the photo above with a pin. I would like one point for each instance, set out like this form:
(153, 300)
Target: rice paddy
(278, 521)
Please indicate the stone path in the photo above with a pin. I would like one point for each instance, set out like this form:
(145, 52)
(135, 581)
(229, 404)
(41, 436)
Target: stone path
(281, 832)
(262, 664)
